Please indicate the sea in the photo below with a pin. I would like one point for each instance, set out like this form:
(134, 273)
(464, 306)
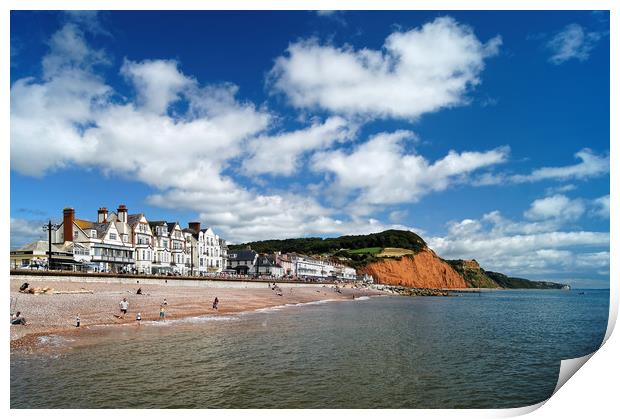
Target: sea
(496, 349)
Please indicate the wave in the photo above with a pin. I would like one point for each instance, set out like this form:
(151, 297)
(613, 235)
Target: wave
(54, 341)
(283, 306)
(196, 319)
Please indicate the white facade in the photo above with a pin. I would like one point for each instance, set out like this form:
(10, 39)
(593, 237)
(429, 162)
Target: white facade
(305, 266)
(162, 255)
(142, 240)
(190, 252)
(177, 248)
(209, 252)
(345, 273)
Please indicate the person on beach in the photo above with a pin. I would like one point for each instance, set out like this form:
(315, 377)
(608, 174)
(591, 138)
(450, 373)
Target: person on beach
(124, 305)
(138, 318)
(77, 320)
(215, 303)
(139, 292)
(162, 312)
(17, 318)
(165, 302)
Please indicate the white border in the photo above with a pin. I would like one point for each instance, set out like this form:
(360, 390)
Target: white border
(595, 383)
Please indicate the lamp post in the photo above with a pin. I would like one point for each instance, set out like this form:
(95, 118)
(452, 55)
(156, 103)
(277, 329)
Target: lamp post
(49, 227)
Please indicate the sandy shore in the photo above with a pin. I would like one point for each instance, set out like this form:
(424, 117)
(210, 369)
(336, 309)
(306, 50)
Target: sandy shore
(56, 313)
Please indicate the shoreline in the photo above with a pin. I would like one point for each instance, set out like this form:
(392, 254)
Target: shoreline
(54, 314)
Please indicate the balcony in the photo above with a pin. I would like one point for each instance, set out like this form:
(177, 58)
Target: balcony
(112, 259)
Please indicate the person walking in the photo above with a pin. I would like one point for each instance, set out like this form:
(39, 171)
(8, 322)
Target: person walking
(124, 305)
(77, 320)
(138, 318)
(216, 302)
(162, 312)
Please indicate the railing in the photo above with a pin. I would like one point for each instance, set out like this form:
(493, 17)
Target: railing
(105, 258)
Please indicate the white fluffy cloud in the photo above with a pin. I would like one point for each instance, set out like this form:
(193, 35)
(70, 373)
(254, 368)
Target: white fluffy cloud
(240, 215)
(556, 206)
(539, 249)
(47, 117)
(280, 154)
(601, 206)
(590, 165)
(418, 71)
(381, 171)
(158, 83)
(68, 119)
(572, 42)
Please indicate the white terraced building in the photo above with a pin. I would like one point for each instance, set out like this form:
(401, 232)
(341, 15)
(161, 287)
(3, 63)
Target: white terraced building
(109, 249)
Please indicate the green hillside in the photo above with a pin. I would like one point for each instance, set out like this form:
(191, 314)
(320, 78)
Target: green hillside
(369, 243)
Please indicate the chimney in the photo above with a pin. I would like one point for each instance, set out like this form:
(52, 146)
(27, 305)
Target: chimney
(195, 225)
(67, 223)
(122, 213)
(102, 215)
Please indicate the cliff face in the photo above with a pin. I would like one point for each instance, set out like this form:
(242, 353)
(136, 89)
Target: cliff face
(424, 270)
(472, 273)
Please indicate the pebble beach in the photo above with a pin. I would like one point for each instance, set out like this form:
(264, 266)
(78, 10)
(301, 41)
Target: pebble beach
(55, 312)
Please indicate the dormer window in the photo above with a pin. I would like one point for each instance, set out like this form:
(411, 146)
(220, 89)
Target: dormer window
(112, 236)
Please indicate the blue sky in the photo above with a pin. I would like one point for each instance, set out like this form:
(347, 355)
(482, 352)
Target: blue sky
(485, 132)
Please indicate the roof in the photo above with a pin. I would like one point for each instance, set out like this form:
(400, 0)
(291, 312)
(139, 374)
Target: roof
(83, 224)
(101, 229)
(265, 261)
(193, 232)
(242, 255)
(40, 246)
(133, 219)
(171, 225)
(157, 223)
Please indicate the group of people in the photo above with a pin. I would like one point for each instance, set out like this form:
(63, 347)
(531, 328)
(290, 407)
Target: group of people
(18, 319)
(124, 307)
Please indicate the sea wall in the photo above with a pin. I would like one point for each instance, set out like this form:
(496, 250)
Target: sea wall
(424, 270)
(145, 280)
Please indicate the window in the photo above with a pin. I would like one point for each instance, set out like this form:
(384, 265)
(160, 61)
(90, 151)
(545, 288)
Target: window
(75, 235)
(112, 236)
(93, 234)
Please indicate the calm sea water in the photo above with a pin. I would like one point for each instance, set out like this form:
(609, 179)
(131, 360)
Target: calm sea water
(489, 350)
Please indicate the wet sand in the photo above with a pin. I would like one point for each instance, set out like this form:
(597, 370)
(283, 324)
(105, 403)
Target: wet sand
(56, 313)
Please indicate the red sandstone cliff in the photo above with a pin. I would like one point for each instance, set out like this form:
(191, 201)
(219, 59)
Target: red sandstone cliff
(424, 270)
